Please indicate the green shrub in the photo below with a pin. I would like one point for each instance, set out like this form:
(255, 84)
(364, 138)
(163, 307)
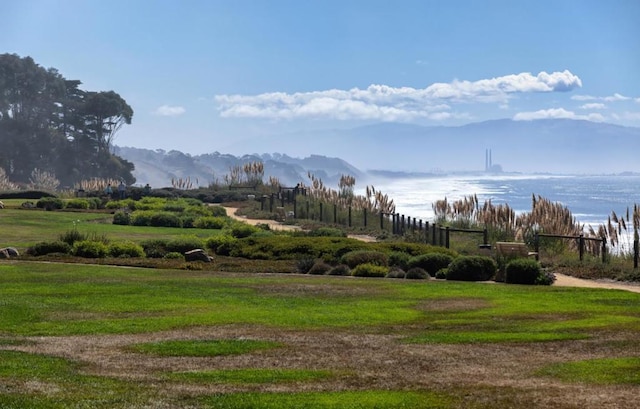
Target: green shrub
(242, 230)
(78, 204)
(187, 220)
(304, 264)
(173, 255)
(141, 218)
(416, 273)
(95, 202)
(221, 245)
(122, 204)
(293, 247)
(327, 232)
(339, 270)
(369, 270)
(48, 247)
(210, 222)
(185, 243)
(50, 203)
(121, 218)
(319, 268)
(471, 268)
(430, 262)
(522, 271)
(396, 272)
(125, 249)
(442, 274)
(217, 211)
(165, 219)
(355, 258)
(90, 249)
(155, 248)
(174, 207)
(399, 259)
(545, 278)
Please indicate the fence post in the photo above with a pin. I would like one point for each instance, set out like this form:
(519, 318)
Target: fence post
(446, 242)
(364, 214)
(635, 248)
(485, 236)
(349, 216)
(271, 203)
(604, 250)
(433, 234)
(335, 213)
(295, 208)
(536, 245)
(441, 238)
(426, 232)
(321, 212)
(581, 243)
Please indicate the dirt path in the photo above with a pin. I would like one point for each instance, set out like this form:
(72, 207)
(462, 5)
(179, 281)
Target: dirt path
(274, 225)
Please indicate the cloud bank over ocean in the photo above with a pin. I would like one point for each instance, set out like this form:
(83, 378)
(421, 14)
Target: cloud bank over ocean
(386, 103)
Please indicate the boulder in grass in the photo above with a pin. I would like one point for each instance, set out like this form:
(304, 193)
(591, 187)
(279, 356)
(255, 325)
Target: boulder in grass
(3, 254)
(197, 255)
(9, 252)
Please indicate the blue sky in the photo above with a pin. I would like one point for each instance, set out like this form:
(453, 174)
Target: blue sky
(203, 75)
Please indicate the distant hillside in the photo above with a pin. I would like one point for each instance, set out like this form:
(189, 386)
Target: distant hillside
(158, 167)
(549, 145)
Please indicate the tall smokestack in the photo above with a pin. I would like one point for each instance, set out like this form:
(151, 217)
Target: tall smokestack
(490, 160)
(486, 160)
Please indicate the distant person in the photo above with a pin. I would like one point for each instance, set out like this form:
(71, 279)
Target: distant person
(122, 190)
(147, 189)
(108, 191)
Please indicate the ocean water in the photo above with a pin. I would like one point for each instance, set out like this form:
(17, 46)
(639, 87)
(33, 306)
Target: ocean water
(591, 199)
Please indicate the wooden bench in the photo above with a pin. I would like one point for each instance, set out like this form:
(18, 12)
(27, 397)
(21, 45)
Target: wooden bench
(513, 249)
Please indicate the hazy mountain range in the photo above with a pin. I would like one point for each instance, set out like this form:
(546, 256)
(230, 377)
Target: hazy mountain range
(543, 146)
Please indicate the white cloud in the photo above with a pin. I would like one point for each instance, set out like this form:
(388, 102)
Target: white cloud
(627, 116)
(386, 103)
(166, 110)
(593, 105)
(638, 100)
(556, 113)
(610, 98)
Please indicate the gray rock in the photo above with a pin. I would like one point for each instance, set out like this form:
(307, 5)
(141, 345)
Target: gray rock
(197, 255)
(9, 251)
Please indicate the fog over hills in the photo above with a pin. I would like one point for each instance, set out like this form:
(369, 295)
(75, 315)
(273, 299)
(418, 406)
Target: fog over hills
(547, 145)
(541, 146)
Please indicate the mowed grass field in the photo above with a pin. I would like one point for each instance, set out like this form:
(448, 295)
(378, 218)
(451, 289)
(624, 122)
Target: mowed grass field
(99, 336)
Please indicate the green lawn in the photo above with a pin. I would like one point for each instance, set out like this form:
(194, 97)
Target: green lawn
(209, 339)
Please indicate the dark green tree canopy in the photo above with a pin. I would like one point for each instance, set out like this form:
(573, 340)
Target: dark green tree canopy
(49, 123)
